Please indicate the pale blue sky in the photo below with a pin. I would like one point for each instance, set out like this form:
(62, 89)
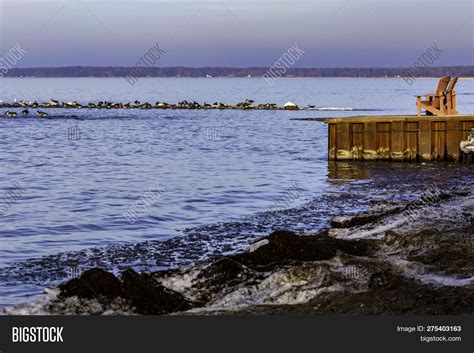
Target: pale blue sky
(341, 33)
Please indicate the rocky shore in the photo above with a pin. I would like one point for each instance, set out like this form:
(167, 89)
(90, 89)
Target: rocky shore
(406, 258)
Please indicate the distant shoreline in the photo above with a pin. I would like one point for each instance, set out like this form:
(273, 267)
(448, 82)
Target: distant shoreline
(223, 77)
(231, 72)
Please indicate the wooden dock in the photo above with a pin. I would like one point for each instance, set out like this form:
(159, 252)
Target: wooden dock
(398, 138)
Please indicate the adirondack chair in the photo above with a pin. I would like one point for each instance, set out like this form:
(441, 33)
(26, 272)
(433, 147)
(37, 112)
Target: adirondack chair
(451, 97)
(434, 104)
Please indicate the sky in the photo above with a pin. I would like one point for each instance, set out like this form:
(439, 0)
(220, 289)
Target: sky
(338, 33)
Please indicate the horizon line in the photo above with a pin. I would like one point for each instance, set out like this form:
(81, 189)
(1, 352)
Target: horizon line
(237, 67)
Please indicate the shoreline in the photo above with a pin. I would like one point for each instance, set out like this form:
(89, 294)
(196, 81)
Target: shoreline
(245, 72)
(239, 77)
(393, 253)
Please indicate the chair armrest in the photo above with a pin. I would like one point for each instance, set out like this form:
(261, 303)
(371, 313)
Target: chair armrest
(431, 95)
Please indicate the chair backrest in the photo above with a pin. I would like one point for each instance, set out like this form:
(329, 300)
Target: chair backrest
(442, 85)
(452, 83)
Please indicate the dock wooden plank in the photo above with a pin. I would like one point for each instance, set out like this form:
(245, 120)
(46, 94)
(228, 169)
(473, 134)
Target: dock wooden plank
(383, 140)
(343, 141)
(424, 141)
(410, 148)
(453, 136)
(370, 142)
(403, 138)
(438, 140)
(357, 140)
(396, 140)
(332, 141)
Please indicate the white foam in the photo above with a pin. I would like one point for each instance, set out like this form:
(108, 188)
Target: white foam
(446, 281)
(418, 271)
(255, 246)
(456, 212)
(181, 282)
(295, 285)
(37, 307)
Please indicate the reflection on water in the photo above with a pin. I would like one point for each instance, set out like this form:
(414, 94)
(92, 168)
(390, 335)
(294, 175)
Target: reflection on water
(343, 172)
(385, 181)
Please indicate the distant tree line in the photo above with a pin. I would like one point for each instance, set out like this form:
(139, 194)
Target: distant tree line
(179, 71)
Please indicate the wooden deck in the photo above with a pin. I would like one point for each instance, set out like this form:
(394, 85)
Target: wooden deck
(398, 138)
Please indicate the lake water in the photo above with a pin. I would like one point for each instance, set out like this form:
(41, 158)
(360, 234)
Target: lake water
(219, 171)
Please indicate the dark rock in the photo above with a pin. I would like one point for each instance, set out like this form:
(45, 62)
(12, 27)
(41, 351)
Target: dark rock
(139, 290)
(287, 247)
(224, 270)
(452, 254)
(364, 218)
(222, 276)
(150, 298)
(389, 292)
(93, 283)
(385, 280)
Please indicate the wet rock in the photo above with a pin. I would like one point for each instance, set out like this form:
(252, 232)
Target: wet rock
(93, 284)
(389, 292)
(254, 246)
(287, 247)
(360, 219)
(450, 253)
(150, 298)
(139, 290)
(220, 277)
(386, 280)
(224, 270)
